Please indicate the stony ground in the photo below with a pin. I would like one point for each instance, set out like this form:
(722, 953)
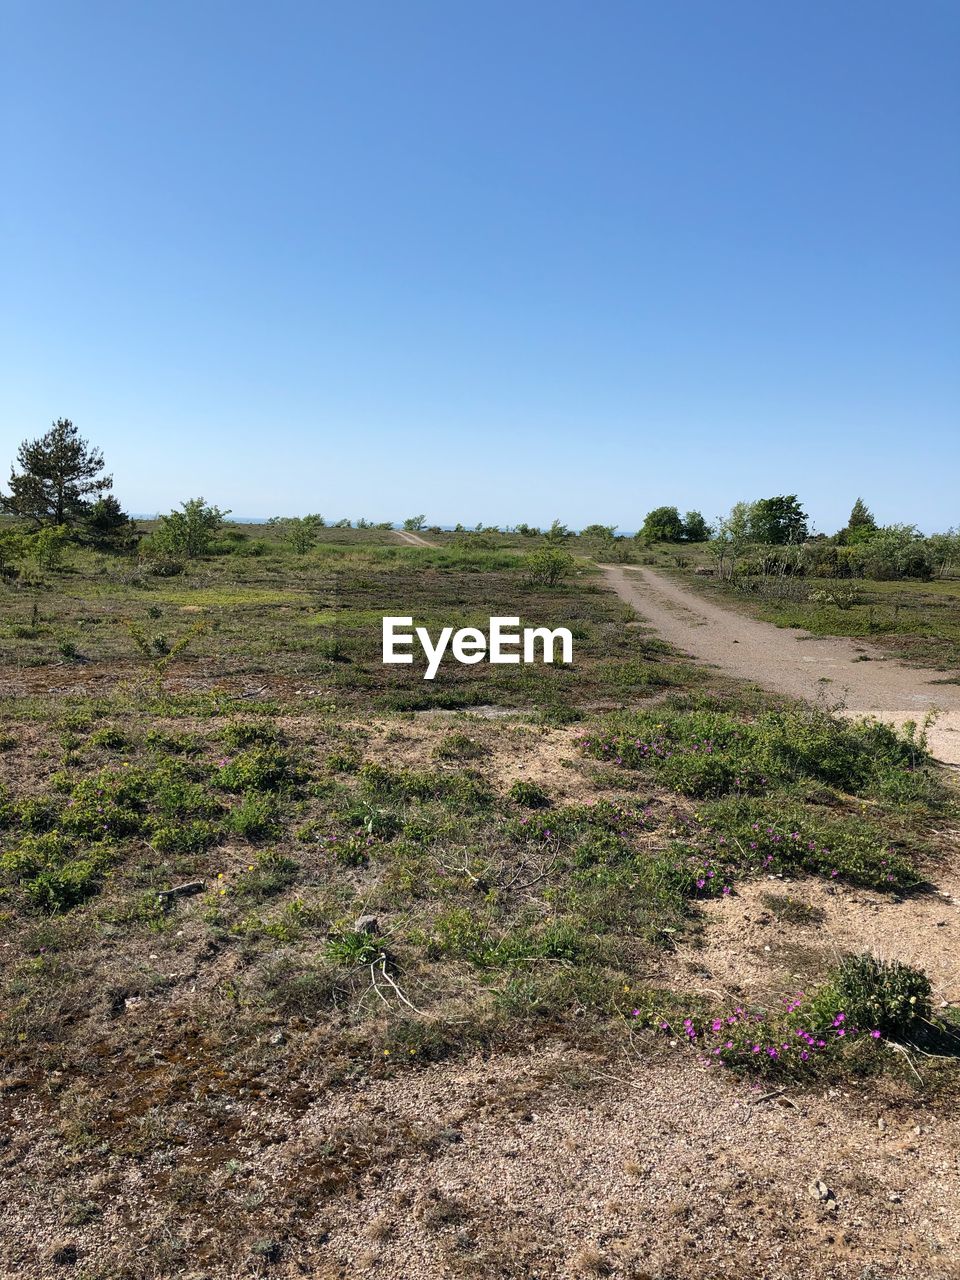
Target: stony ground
(545, 1164)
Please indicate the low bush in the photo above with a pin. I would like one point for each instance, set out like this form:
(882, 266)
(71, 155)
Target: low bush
(712, 753)
(883, 994)
(260, 768)
(529, 795)
(257, 816)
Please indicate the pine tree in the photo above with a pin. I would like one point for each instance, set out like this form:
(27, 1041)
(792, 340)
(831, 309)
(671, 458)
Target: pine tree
(861, 516)
(860, 527)
(58, 474)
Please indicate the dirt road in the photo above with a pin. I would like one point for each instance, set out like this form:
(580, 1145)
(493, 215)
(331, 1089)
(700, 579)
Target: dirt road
(413, 539)
(788, 660)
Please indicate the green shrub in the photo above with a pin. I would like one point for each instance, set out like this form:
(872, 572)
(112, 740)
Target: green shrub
(465, 791)
(271, 872)
(187, 744)
(755, 835)
(248, 733)
(255, 817)
(343, 762)
(529, 795)
(110, 738)
(265, 768)
(549, 566)
(35, 813)
(707, 752)
(185, 837)
(51, 873)
(189, 532)
(885, 995)
(107, 805)
(60, 888)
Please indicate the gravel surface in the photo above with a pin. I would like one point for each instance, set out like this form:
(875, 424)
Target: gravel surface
(540, 1166)
(795, 662)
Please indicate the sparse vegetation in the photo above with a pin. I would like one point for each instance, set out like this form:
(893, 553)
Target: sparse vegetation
(247, 796)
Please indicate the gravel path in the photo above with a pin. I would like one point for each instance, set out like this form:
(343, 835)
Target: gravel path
(788, 660)
(413, 539)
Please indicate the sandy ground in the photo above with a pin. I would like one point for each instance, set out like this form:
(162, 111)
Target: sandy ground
(788, 660)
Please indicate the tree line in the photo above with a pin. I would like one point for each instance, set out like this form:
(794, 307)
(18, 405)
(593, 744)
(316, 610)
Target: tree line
(60, 491)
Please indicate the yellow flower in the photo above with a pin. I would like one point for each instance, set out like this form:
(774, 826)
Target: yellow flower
(386, 1053)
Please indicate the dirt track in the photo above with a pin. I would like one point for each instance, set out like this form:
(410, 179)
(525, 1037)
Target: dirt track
(413, 539)
(788, 660)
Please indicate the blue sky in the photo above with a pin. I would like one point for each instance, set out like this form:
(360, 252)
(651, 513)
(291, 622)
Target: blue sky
(498, 261)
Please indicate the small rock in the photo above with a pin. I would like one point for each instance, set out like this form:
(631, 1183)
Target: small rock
(187, 890)
(894, 1197)
(277, 1038)
(820, 1191)
(881, 1124)
(366, 924)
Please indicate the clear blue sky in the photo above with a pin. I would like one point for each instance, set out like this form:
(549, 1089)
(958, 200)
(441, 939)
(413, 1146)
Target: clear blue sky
(490, 261)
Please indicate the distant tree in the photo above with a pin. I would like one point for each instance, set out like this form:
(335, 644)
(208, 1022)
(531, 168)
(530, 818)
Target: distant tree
(778, 521)
(107, 526)
(191, 531)
(944, 550)
(603, 532)
(413, 524)
(897, 551)
(528, 531)
(557, 532)
(860, 527)
(732, 537)
(663, 524)
(695, 528)
(59, 472)
(300, 532)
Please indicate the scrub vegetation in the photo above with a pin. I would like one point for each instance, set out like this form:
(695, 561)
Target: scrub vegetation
(245, 867)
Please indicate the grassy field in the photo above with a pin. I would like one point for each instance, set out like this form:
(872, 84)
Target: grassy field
(243, 864)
